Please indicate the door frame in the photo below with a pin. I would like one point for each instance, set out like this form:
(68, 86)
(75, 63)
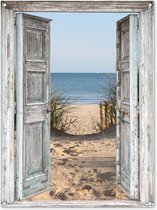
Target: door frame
(145, 9)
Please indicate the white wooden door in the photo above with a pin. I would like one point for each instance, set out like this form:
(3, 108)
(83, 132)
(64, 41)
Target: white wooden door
(32, 95)
(127, 105)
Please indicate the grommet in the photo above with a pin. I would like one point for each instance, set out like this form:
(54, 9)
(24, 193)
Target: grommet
(4, 4)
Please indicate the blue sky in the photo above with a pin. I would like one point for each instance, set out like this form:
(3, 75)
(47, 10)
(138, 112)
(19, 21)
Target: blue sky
(83, 42)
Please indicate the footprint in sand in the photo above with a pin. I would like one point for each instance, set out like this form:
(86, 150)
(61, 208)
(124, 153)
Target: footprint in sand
(83, 179)
(87, 187)
(105, 176)
(71, 194)
(52, 193)
(96, 193)
(71, 165)
(95, 170)
(69, 151)
(108, 193)
(63, 161)
(52, 149)
(61, 196)
(58, 145)
(74, 154)
(91, 179)
(94, 150)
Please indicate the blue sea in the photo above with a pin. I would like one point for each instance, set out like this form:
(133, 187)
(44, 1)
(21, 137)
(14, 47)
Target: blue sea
(82, 88)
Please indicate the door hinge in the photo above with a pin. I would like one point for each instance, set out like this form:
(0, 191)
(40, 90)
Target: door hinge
(118, 145)
(151, 7)
(14, 107)
(26, 188)
(4, 203)
(45, 180)
(117, 163)
(151, 203)
(14, 21)
(138, 23)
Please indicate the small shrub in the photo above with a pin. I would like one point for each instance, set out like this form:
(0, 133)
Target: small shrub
(60, 108)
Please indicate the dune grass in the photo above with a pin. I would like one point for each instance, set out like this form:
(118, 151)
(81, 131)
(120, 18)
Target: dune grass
(60, 109)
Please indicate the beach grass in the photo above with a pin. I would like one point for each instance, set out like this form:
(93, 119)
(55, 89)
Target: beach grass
(60, 109)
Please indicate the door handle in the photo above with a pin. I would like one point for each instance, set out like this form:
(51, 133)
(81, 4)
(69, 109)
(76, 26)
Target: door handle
(123, 112)
(48, 110)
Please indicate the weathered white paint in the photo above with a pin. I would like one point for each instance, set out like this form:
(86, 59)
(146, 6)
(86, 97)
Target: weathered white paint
(80, 204)
(19, 105)
(127, 116)
(147, 109)
(146, 104)
(118, 96)
(123, 103)
(83, 0)
(78, 6)
(134, 68)
(7, 106)
(33, 126)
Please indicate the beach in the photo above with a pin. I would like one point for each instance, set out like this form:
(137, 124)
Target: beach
(87, 115)
(83, 161)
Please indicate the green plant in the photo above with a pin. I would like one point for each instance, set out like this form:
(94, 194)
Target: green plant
(60, 109)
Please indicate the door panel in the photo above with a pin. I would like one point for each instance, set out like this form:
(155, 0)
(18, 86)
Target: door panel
(33, 120)
(127, 102)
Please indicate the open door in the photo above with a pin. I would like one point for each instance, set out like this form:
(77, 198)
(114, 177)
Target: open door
(32, 96)
(127, 105)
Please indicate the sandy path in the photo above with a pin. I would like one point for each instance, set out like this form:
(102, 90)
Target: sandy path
(87, 118)
(82, 169)
(83, 161)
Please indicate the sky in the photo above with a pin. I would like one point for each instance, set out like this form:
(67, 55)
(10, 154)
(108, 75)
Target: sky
(83, 42)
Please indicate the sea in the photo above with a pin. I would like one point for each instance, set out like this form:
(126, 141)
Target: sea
(82, 88)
